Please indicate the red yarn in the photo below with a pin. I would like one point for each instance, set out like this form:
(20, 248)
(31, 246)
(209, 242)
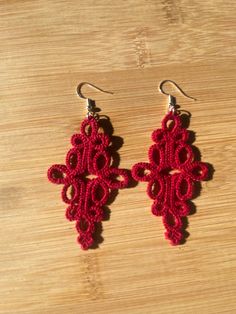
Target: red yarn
(89, 155)
(170, 175)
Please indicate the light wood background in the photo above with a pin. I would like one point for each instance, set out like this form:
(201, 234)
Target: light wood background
(128, 47)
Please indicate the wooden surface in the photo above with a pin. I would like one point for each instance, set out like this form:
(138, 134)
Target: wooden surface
(128, 47)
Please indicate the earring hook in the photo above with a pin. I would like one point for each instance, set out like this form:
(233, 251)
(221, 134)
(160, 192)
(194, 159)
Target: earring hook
(79, 87)
(90, 102)
(172, 99)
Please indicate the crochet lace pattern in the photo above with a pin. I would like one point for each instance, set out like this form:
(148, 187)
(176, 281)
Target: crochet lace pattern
(89, 156)
(171, 173)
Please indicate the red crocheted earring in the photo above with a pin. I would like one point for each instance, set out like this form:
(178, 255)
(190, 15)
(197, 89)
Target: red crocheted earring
(171, 172)
(89, 155)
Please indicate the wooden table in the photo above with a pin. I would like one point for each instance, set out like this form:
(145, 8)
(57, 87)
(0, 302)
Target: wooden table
(128, 47)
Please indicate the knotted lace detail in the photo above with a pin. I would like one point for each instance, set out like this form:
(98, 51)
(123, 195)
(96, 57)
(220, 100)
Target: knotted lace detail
(84, 195)
(171, 173)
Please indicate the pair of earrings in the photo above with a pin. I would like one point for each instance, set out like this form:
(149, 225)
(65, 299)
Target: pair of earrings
(170, 173)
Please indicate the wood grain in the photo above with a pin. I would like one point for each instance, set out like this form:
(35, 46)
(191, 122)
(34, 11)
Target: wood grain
(128, 47)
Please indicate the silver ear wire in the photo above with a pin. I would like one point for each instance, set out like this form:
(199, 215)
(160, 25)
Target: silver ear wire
(90, 102)
(172, 99)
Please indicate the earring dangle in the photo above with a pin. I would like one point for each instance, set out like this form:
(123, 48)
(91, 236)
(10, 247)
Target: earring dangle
(89, 155)
(171, 171)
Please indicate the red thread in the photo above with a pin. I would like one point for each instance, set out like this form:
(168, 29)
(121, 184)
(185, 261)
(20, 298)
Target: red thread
(170, 174)
(85, 196)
